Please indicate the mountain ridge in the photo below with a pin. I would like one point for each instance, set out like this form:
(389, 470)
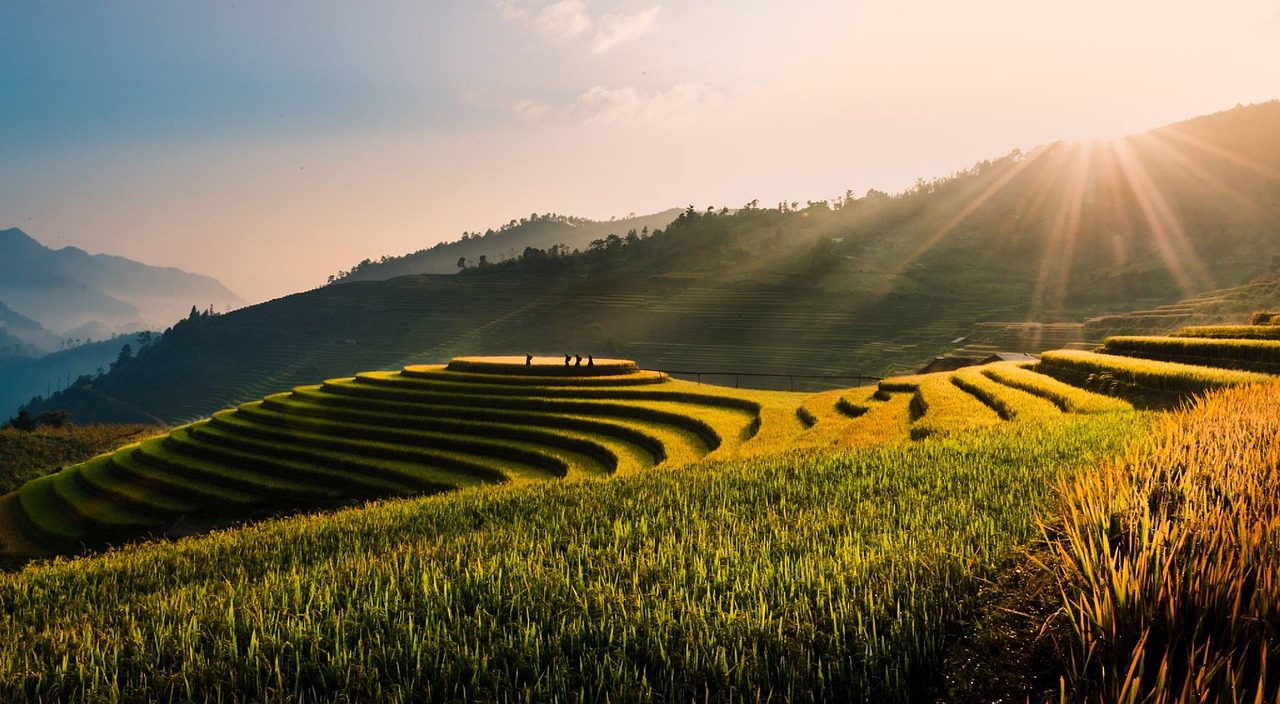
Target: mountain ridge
(67, 288)
(861, 286)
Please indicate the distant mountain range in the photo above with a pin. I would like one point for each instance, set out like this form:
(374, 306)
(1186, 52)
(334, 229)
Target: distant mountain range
(867, 285)
(21, 336)
(73, 294)
(507, 242)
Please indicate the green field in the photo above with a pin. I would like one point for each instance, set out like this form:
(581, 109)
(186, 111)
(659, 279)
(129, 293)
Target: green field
(805, 574)
(538, 533)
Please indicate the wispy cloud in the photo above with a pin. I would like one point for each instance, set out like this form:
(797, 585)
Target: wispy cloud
(514, 9)
(613, 30)
(683, 102)
(563, 20)
(531, 109)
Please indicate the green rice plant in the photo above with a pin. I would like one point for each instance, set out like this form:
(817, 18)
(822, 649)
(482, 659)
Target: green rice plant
(105, 479)
(1128, 374)
(25, 455)
(178, 484)
(1249, 355)
(671, 390)
(44, 517)
(509, 459)
(1008, 402)
(1239, 332)
(1069, 398)
(180, 454)
(599, 453)
(332, 473)
(775, 427)
(1167, 559)
(875, 422)
(798, 576)
(634, 410)
(940, 407)
(458, 420)
(103, 516)
(492, 408)
(886, 422)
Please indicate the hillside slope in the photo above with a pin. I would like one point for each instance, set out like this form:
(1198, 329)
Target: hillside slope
(507, 242)
(862, 286)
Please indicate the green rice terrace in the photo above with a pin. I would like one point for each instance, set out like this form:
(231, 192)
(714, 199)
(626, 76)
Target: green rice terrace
(554, 529)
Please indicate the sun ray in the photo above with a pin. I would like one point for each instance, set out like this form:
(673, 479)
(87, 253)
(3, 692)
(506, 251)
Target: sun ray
(1172, 244)
(1158, 144)
(1230, 156)
(972, 206)
(1051, 281)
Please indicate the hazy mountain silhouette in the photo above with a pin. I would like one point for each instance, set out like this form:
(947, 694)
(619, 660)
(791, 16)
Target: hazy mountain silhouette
(863, 285)
(507, 241)
(68, 288)
(21, 336)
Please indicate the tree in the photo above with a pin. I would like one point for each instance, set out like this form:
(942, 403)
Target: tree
(53, 419)
(23, 421)
(126, 354)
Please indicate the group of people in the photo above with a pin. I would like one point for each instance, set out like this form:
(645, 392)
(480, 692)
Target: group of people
(576, 359)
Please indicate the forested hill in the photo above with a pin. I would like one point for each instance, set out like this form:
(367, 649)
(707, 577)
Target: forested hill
(863, 285)
(559, 233)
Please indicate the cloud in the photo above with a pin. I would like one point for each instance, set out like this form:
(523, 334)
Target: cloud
(531, 109)
(511, 10)
(613, 30)
(564, 20)
(683, 103)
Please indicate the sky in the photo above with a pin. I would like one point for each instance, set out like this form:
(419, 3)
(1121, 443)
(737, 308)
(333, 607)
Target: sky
(272, 143)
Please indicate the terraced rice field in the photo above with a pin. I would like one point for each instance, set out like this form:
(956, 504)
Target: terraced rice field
(972, 398)
(425, 429)
(1154, 382)
(492, 420)
(1254, 354)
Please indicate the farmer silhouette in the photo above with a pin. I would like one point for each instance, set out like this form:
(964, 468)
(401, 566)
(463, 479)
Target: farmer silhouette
(591, 360)
(566, 360)
(528, 360)
(578, 363)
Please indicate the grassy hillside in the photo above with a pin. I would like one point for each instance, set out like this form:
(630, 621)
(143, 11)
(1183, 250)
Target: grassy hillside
(749, 544)
(806, 575)
(27, 455)
(861, 286)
